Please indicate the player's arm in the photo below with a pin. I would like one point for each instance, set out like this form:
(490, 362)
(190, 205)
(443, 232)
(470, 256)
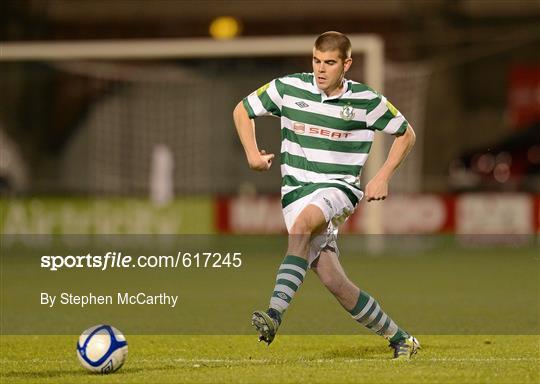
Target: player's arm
(257, 160)
(377, 188)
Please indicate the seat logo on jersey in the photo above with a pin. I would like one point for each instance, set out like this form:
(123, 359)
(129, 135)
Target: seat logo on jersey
(302, 104)
(299, 128)
(315, 131)
(347, 113)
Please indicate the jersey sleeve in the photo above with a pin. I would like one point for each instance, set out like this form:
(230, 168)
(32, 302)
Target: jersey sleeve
(265, 101)
(383, 116)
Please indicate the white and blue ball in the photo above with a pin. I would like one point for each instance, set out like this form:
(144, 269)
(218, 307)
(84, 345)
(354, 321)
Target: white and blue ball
(102, 349)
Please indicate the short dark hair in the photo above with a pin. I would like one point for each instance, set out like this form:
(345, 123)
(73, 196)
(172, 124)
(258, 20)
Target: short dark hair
(331, 41)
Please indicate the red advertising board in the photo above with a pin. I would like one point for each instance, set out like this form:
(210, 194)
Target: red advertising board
(473, 213)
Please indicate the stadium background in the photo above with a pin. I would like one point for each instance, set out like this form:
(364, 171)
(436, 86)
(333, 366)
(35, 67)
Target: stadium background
(132, 146)
(83, 141)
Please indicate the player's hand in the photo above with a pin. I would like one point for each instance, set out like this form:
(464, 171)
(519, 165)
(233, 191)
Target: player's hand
(376, 189)
(263, 162)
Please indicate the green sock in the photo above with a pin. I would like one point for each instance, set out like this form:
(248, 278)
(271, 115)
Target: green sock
(289, 277)
(368, 313)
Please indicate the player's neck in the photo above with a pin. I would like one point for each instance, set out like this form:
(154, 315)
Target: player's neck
(337, 90)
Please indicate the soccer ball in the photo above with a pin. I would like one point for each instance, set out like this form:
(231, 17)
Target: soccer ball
(102, 349)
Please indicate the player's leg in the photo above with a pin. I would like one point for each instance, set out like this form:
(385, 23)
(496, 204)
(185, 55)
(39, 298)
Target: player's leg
(362, 307)
(329, 270)
(310, 221)
(291, 272)
(293, 269)
(359, 304)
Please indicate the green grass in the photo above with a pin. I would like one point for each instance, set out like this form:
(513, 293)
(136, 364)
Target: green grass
(442, 290)
(443, 293)
(298, 359)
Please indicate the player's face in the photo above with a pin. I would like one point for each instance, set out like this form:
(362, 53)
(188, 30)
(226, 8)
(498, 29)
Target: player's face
(329, 69)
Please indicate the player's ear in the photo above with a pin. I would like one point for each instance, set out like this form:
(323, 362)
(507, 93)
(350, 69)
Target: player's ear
(347, 64)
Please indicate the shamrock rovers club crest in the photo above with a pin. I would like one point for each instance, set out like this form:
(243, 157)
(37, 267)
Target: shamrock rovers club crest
(347, 113)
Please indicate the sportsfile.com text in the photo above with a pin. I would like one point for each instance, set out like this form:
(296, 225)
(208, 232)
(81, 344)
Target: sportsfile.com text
(115, 259)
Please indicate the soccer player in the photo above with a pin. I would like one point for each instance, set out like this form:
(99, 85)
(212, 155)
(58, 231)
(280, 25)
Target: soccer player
(327, 127)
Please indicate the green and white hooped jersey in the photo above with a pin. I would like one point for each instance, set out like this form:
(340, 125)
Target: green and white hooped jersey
(325, 141)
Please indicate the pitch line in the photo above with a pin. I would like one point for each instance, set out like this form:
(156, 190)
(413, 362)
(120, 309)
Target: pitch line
(264, 361)
(272, 361)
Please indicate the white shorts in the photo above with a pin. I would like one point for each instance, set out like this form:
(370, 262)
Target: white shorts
(336, 208)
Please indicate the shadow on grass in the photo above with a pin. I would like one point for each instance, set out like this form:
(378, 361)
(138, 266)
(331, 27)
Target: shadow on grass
(356, 352)
(374, 352)
(44, 374)
(78, 374)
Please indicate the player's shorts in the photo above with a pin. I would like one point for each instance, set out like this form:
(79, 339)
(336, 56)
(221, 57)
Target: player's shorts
(336, 208)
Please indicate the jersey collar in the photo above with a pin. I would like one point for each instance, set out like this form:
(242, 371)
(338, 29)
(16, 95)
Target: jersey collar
(346, 90)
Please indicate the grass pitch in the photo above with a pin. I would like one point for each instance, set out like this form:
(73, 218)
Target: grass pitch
(443, 293)
(290, 359)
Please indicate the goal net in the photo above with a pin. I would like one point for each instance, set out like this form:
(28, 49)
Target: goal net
(118, 117)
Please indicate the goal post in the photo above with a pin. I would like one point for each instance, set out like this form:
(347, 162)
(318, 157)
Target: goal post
(370, 46)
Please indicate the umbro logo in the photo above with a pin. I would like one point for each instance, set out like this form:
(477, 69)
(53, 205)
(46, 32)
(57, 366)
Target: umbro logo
(282, 296)
(301, 104)
(328, 202)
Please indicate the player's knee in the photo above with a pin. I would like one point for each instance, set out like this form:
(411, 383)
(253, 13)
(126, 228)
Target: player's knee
(301, 227)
